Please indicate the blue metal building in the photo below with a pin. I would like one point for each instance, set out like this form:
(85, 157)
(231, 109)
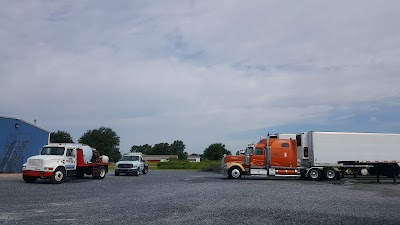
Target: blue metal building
(19, 140)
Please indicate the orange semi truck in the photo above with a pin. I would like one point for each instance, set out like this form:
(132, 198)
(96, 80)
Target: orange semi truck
(318, 155)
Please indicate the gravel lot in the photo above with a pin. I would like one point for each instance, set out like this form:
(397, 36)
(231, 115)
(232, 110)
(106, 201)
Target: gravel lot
(186, 197)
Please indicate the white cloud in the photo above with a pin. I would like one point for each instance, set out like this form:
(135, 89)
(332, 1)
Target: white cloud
(196, 71)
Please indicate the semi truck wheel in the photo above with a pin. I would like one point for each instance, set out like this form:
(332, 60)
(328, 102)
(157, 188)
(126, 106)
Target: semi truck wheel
(29, 179)
(315, 174)
(58, 176)
(329, 174)
(235, 173)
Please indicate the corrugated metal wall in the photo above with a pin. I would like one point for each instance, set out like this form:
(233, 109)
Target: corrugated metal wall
(18, 141)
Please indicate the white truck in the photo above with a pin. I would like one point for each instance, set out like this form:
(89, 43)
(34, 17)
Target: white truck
(325, 154)
(131, 163)
(59, 160)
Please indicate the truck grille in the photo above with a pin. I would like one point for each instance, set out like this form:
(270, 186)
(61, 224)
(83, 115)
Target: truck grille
(125, 165)
(35, 163)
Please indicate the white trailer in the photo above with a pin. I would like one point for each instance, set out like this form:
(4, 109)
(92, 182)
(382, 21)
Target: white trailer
(323, 154)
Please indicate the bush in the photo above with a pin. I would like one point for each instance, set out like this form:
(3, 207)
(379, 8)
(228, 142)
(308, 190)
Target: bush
(206, 165)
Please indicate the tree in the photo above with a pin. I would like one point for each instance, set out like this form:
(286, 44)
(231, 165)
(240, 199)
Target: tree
(178, 148)
(160, 149)
(60, 137)
(145, 149)
(105, 140)
(215, 151)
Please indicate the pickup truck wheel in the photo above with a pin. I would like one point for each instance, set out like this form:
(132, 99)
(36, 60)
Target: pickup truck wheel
(116, 173)
(29, 179)
(315, 174)
(58, 176)
(136, 173)
(329, 173)
(235, 173)
(145, 170)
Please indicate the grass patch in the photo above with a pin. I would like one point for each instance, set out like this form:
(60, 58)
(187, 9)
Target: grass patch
(175, 164)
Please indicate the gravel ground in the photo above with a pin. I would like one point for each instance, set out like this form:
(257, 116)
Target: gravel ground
(187, 197)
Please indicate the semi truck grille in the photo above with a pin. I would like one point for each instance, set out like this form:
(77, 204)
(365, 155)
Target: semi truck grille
(35, 162)
(125, 165)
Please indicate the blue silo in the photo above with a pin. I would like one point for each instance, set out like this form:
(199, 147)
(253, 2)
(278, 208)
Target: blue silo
(19, 140)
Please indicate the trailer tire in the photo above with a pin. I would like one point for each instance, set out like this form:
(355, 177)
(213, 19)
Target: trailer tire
(145, 170)
(29, 179)
(330, 174)
(235, 173)
(315, 174)
(58, 176)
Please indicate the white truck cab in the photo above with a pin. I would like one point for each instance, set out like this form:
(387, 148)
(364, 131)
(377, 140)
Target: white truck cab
(131, 163)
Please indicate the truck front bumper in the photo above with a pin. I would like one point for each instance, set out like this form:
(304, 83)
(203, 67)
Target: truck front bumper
(126, 170)
(33, 173)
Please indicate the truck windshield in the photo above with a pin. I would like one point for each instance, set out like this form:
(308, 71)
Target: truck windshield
(130, 158)
(52, 151)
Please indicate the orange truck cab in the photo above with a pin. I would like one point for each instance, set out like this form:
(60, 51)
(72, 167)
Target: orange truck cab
(279, 157)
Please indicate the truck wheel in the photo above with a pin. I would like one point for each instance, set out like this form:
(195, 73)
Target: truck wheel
(315, 174)
(29, 179)
(329, 174)
(58, 176)
(136, 173)
(116, 173)
(235, 173)
(101, 172)
(145, 170)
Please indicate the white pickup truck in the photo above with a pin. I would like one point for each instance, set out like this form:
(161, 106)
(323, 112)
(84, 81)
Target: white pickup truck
(131, 163)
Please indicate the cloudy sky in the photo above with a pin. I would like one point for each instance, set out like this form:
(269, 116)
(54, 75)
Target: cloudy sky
(201, 71)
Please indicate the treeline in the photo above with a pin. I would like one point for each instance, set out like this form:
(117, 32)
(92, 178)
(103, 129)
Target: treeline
(106, 141)
(176, 148)
(213, 152)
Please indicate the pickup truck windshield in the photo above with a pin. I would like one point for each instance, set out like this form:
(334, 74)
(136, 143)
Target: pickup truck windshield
(130, 158)
(52, 151)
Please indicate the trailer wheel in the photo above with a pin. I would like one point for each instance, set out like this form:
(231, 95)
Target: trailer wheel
(235, 173)
(329, 173)
(58, 176)
(29, 179)
(145, 170)
(315, 174)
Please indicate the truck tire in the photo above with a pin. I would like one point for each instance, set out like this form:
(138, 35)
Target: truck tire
(315, 174)
(101, 172)
(330, 174)
(136, 173)
(58, 176)
(145, 170)
(116, 173)
(29, 179)
(235, 173)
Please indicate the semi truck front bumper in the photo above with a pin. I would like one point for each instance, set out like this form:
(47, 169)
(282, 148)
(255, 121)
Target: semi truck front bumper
(33, 173)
